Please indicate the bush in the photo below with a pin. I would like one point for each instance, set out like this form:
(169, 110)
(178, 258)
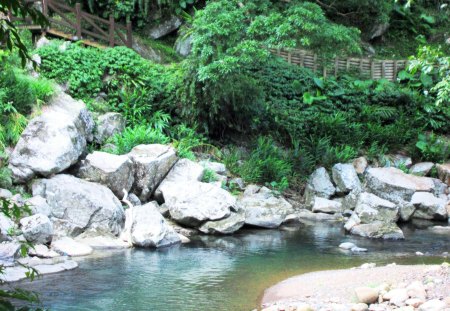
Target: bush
(433, 147)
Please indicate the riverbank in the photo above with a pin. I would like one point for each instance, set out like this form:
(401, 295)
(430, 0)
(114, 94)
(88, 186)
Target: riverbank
(409, 287)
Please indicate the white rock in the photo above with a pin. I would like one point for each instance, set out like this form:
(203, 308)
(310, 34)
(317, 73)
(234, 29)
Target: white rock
(421, 169)
(108, 125)
(39, 205)
(433, 305)
(37, 229)
(227, 225)
(429, 207)
(322, 205)
(218, 168)
(69, 247)
(42, 251)
(347, 245)
(319, 184)
(345, 178)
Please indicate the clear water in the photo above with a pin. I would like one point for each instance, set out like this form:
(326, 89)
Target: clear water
(221, 273)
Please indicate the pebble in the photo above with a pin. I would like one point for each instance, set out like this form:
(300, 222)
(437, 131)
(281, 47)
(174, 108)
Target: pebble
(366, 294)
(432, 305)
(347, 245)
(368, 265)
(360, 307)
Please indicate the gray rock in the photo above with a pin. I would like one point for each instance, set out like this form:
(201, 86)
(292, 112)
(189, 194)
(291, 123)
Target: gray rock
(394, 185)
(345, 178)
(9, 251)
(185, 170)
(433, 305)
(352, 222)
(37, 229)
(5, 194)
(322, 205)
(378, 230)
(53, 141)
(191, 203)
(378, 30)
(228, 225)
(320, 185)
(39, 205)
(263, 209)
(164, 27)
(81, 205)
(347, 245)
(349, 201)
(134, 200)
(56, 268)
(101, 240)
(406, 211)
(399, 160)
(6, 226)
(306, 216)
(42, 251)
(358, 249)
(113, 171)
(151, 165)
(108, 125)
(70, 247)
(218, 168)
(41, 42)
(149, 229)
(183, 45)
(421, 169)
(370, 208)
(146, 51)
(444, 172)
(429, 207)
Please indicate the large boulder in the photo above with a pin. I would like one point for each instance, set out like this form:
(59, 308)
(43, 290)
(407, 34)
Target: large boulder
(114, 171)
(6, 226)
(319, 185)
(53, 141)
(183, 45)
(322, 205)
(80, 204)
(9, 251)
(164, 28)
(345, 178)
(37, 229)
(185, 170)
(228, 225)
(192, 203)
(148, 227)
(151, 165)
(69, 247)
(378, 230)
(39, 205)
(394, 185)
(370, 208)
(429, 207)
(108, 125)
(263, 209)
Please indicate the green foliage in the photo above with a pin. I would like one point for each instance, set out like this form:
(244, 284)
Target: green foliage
(186, 140)
(209, 176)
(433, 147)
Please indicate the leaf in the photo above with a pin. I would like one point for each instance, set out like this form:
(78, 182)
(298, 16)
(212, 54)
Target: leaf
(426, 80)
(318, 82)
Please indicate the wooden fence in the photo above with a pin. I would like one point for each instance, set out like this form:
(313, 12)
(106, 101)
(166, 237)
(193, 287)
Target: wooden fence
(72, 23)
(370, 68)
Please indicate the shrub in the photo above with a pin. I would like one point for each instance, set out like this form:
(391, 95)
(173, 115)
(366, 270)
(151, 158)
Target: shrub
(433, 147)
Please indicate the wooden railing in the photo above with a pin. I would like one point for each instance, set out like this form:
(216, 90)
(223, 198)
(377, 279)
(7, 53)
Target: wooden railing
(75, 24)
(371, 68)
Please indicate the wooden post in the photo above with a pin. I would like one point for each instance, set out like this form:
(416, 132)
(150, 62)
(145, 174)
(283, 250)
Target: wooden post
(361, 66)
(289, 57)
(302, 59)
(347, 64)
(383, 69)
(395, 70)
(111, 30)
(78, 16)
(129, 34)
(372, 69)
(315, 62)
(336, 66)
(45, 8)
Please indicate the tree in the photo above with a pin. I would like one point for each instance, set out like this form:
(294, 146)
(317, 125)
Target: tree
(9, 33)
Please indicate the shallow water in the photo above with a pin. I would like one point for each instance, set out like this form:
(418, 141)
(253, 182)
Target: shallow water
(221, 273)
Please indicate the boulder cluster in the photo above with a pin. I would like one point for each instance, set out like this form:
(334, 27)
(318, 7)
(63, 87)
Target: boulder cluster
(373, 200)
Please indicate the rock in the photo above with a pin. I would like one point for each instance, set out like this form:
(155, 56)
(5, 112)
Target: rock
(237, 183)
(352, 221)
(306, 215)
(163, 210)
(322, 205)
(319, 185)
(396, 296)
(406, 211)
(39, 205)
(218, 168)
(433, 305)
(41, 42)
(108, 125)
(14, 274)
(102, 242)
(416, 290)
(360, 307)
(113, 171)
(345, 178)
(183, 45)
(441, 229)
(55, 268)
(185, 170)
(394, 185)
(368, 265)
(42, 251)
(134, 200)
(37, 229)
(149, 229)
(378, 230)
(53, 141)
(366, 295)
(414, 302)
(360, 164)
(9, 251)
(5, 194)
(399, 160)
(379, 30)
(146, 51)
(228, 225)
(80, 204)
(264, 209)
(349, 201)
(421, 169)
(429, 207)
(69, 247)
(6, 226)
(347, 245)
(184, 239)
(358, 249)
(444, 172)
(164, 27)
(370, 208)
(192, 203)
(151, 165)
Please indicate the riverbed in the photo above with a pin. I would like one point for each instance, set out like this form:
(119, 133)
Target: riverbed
(226, 273)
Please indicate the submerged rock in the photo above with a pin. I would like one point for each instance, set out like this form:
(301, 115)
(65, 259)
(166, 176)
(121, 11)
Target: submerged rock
(80, 205)
(53, 141)
(263, 209)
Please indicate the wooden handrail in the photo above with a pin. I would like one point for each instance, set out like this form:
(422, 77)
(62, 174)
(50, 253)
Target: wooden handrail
(82, 23)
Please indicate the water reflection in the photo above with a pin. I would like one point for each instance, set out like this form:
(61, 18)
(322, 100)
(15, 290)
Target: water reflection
(220, 273)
